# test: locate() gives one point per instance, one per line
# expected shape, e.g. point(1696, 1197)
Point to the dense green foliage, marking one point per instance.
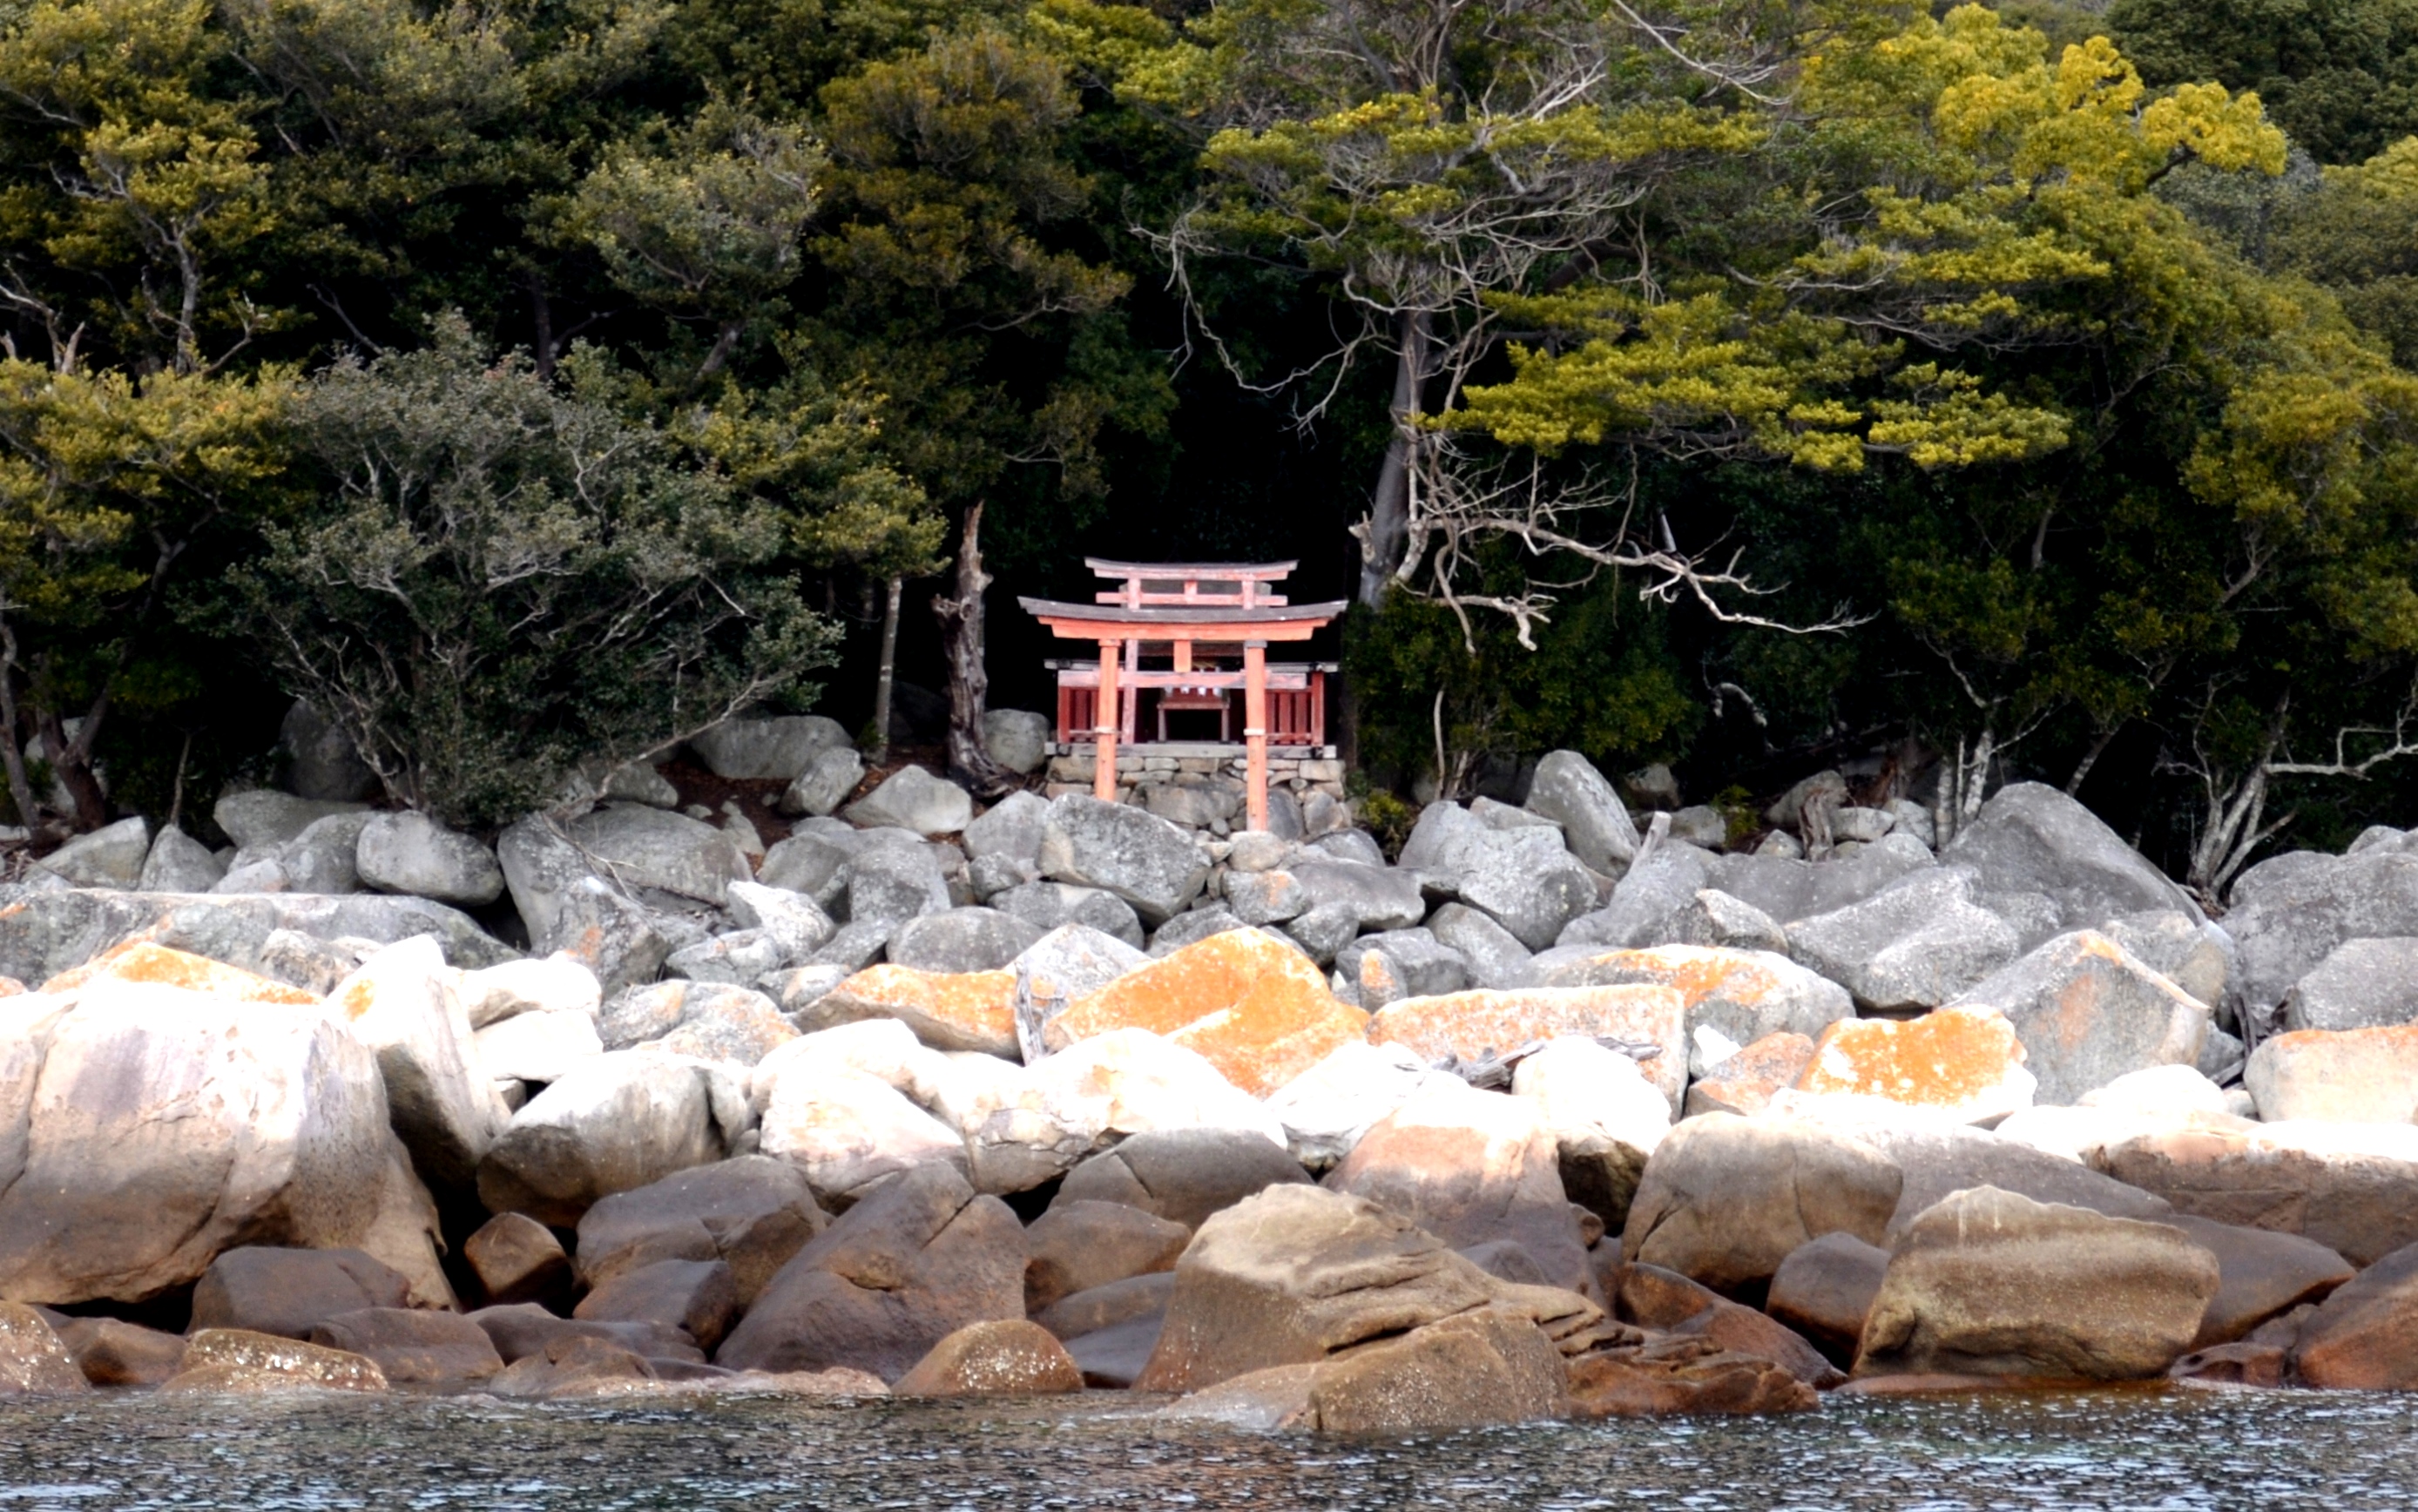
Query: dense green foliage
point(2340, 75)
point(517, 578)
point(1735, 384)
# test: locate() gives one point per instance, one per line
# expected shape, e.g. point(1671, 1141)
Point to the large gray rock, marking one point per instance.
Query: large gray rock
point(2365, 984)
point(613, 936)
point(962, 940)
point(1501, 815)
point(791, 919)
point(414, 1344)
point(44, 932)
point(1400, 963)
point(1060, 967)
point(1182, 1175)
point(1266, 897)
point(850, 1132)
point(710, 1020)
point(2352, 1188)
point(2352, 1075)
point(913, 1262)
point(1079, 1246)
point(814, 865)
point(1325, 1110)
point(1436, 844)
point(1991, 1283)
point(144, 1129)
point(1606, 1118)
point(856, 945)
point(775, 750)
point(538, 1047)
point(2291, 912)
point(2032, 838)
point(1917, 944)
point(1788, 889)
point(1937, 1160)
point(1016, 739)
point(179, 864)
point(2193, 954)
point(403, 1005)
point(1327, 928)
point(891, 882)
point(1494, 958)
point(1648, 902)
point(288, 1292)
point(1195, 802)
point(108, 857)
point(263, 817)
point(737, 956)
point(1296, 1274)
point(1741, 996)
point(540, 865)
point(1528, 883)
point(1349, 845)
point(638, 782)
point(615, 1124)
point(1717, 919)
point(825, 784)
point(408, 1233)
point(2088, 1010)
point(1011, 829)
point(1701, 824)
point(1724, 1199)
point(1192, 927)
point(1471, 1167)
point(1150, 863)
point(413, 853)
point(324, 763)
point(641, 847)
point(1595, 823)
point(1380, 898)
point(525, 1329)
point(1053, 904)
point(914, 799)
point(324, 857)
point(751, 1212)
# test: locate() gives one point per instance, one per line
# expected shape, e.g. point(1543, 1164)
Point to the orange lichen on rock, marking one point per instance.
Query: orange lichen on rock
point(1697, 972)
point(947, 1010)
point(1476, 1025)
point(1256, 1009)
point(139, 960)
point(1747, 1081)
point(1963, 1061)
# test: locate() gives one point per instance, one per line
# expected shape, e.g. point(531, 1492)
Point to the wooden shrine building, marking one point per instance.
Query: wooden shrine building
point(1182, 642)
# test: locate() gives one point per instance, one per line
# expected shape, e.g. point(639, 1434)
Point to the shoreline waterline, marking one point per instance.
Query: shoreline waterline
point(2160, 1448)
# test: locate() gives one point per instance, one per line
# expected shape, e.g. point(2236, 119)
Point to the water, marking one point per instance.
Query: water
point(2183, 1450)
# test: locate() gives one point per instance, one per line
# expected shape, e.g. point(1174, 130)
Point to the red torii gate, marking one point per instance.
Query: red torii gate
point(1196, 612)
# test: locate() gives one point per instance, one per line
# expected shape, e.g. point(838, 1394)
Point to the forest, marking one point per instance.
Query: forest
point(1743, 385)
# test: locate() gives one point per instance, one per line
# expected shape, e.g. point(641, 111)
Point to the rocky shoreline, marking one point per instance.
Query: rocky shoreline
point(1558, 1114)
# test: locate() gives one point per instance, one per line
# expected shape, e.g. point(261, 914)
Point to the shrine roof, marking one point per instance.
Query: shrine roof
point(1110, 569)
point(1183, 614)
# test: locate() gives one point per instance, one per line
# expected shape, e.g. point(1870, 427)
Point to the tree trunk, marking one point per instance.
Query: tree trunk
point(2089, 760)
point(71, 760)
point(962, 628)
point(888, 673)
point(1385, 534)
point(12, 748)
point(1963, 787)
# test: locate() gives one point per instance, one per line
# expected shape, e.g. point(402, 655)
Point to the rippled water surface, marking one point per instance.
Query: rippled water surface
point(2261, 1453)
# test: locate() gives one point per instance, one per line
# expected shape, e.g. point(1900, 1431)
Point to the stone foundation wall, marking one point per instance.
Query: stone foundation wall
point(1207, 792)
